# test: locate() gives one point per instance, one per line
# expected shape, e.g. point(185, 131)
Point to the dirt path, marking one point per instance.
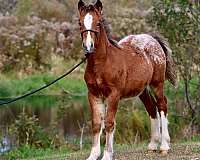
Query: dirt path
point(185, 151)
point(178, 152)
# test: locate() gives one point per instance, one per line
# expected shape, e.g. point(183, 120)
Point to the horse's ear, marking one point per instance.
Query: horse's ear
point(81, 4)
point(98, 5)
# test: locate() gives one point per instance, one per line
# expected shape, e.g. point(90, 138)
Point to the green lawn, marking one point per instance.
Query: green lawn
point(15, 87)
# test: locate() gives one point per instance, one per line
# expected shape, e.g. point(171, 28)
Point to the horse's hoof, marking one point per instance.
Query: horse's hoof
point(164, 153)
point(152, 151)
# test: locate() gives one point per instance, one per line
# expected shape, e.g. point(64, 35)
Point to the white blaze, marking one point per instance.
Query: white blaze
point(88, 21)
point(88, 25)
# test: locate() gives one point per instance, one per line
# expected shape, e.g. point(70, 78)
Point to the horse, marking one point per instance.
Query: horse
point(137, 65)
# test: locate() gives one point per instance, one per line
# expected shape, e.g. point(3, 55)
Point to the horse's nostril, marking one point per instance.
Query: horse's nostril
point(92, 45)
point(83, 45)
point(88, 47)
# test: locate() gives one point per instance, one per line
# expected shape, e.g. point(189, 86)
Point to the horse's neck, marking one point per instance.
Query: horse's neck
point(100, 55)
point(96, 61)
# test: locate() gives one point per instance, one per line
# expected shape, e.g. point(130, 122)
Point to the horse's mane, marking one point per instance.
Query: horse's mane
point(108, 32)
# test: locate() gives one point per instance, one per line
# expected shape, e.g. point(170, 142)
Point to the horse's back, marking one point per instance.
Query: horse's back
point(140, 41)
point(149, 48)
point(145, 44)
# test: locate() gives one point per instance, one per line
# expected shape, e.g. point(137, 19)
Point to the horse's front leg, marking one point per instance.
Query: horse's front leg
point(112, 103)
point(98, 111)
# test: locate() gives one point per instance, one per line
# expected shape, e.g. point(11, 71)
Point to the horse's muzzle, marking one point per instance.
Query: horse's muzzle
point(88, 53)
point(88, 49)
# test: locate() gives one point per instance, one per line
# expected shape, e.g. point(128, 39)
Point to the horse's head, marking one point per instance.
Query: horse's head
point(90, 24)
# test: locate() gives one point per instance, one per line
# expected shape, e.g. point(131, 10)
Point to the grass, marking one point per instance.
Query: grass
point(26, 152)
point(186, 150)
point(15, 87)
point(193, 139)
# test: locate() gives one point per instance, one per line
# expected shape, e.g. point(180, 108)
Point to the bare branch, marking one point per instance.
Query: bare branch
point(187, 96)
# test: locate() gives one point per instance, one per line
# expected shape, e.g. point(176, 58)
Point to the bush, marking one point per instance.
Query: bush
point(27, 131)
point(29, 46)
point(45, 9)
point(132, 121)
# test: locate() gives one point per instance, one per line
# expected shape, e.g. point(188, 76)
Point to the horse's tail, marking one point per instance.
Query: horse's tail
point(170, 68)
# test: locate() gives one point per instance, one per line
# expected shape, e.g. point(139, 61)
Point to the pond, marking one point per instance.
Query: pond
point(68, 115)
point(69, 112)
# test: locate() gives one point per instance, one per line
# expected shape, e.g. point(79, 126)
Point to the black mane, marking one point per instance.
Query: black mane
point(109, 32)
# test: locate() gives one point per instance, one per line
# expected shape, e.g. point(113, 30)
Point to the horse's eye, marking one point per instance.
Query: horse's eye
point(98, 24)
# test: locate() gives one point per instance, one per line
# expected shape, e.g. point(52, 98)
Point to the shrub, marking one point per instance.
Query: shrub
point(27, 131)
point(132, 122)
point(45, 9)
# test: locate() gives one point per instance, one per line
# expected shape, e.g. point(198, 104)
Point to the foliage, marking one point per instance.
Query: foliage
point(132, 121)
point(28, 132)
point(35, 45)
point(25, 47)
point(44, 9)
point(179, 21)
point(127, 17)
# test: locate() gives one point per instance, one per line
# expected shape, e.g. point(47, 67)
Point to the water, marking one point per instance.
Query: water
point(70, 113)
point(4, 145)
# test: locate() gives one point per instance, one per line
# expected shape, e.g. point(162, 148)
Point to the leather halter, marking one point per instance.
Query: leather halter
point(89, 30)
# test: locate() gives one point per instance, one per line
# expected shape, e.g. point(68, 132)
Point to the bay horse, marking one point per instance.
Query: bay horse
point(132, 67)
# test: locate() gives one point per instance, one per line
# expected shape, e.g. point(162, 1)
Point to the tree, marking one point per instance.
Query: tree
point(179, 21)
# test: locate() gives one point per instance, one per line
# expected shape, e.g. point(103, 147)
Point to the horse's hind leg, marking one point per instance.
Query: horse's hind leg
point(150, 105)
point(162, 108)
